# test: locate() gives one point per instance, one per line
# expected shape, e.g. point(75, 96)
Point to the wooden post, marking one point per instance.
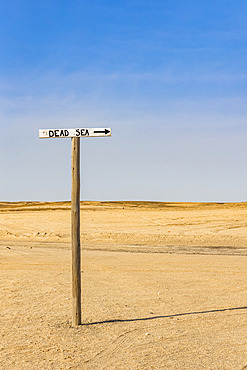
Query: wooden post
point(75, 232)
point(75, 134)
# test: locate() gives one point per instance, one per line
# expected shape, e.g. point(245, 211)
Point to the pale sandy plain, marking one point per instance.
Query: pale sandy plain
point(163, 286)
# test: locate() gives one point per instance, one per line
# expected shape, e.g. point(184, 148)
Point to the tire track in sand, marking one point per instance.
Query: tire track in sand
point(123, 341)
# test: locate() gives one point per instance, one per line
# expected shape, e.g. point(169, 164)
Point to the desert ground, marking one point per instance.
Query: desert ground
point(163, 286)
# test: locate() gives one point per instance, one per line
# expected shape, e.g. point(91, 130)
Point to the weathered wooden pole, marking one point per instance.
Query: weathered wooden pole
point(75, 232)
point(75, 134)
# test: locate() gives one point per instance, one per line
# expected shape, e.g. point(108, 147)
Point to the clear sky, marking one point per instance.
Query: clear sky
point(169, 77)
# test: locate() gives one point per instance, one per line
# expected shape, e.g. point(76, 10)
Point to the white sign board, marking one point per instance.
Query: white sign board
point(73, 132)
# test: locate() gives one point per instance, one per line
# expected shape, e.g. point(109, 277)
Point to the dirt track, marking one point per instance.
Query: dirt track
point(164, 286)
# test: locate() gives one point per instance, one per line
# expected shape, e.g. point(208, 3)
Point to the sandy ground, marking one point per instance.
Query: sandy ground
point(164, 286)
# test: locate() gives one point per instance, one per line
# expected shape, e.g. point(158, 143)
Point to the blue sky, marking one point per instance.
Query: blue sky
point(169, 77)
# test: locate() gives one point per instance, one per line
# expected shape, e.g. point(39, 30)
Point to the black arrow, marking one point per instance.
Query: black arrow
point(102, 132)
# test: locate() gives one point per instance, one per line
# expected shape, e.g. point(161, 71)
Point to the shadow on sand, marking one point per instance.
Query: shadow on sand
point(165, 316)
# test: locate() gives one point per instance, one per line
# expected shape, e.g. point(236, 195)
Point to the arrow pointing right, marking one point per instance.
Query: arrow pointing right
point(105, 131)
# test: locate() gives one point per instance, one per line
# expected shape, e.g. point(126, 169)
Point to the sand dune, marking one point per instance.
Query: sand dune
point(129, 225)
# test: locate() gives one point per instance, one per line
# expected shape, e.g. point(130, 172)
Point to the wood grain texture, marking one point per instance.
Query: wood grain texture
point(75, 233)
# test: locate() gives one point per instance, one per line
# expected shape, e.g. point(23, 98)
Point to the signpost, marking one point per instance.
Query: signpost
point(75, 134)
